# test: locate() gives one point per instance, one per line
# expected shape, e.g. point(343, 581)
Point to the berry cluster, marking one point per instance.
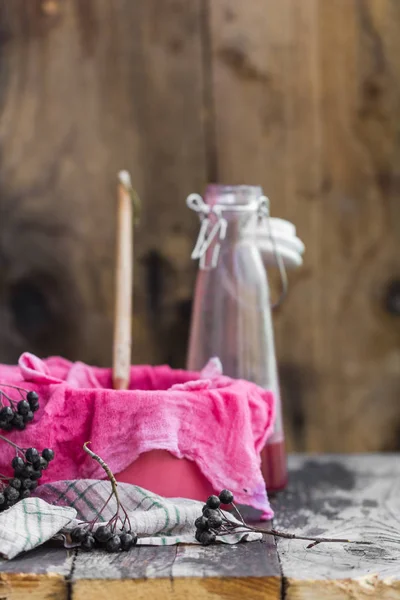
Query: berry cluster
point(213, 522)
point(104, 536)
point(16, 415)
point(28, 466)
point(114, 536)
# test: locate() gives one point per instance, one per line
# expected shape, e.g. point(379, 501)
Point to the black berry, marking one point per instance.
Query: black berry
point(23, 407)
point(18, 422)
point(113, 544)
point(226, 497)
point(43, 464)
point(128, 540)
point(33, 400)
point(27, 471)
point(103, 533)
point(6, 414)
point(17, 463)
point(202, 523)
point(11, 494)
point(32, 455)
point(207, 538)
point(48, 454)
point(26, 484)
point(88, 542)
point(209, 512)
point(215, 522)
point(78, 534)
point(213, 502)
point(29, 417)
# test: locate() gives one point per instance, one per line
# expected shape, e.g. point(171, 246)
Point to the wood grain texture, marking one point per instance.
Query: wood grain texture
point(86, 89)
point(356, 497)
point(307, 104)
point(246, 570)
point(38, 575)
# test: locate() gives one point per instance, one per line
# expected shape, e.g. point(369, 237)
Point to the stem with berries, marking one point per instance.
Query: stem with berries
point(214, 523)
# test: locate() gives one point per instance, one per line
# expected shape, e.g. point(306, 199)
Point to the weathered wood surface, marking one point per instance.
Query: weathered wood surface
point(307, 103)
point(339, 496)
point(88, 88)
point(356, 497)
point(38, 575)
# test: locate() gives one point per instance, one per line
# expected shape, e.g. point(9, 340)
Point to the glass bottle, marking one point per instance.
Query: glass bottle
point(231, 316)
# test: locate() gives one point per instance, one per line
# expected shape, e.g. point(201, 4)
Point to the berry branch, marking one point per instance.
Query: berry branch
point(106, 535)
point(28, 465)
point(213, 522)
point(17, 414)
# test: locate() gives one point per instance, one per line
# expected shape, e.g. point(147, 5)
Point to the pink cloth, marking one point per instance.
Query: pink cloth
point(220, 423)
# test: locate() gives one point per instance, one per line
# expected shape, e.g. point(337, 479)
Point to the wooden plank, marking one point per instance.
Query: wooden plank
point(341, 496)
point(87, 89)
point(307, 104)
point(242, 571)
point(40, 575)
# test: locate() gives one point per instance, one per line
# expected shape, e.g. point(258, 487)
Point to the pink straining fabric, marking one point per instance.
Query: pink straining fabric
point(220, 423)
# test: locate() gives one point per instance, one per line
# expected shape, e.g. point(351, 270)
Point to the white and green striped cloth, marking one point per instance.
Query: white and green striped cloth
point(59, 507)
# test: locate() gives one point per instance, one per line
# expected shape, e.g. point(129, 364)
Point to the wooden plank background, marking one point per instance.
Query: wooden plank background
point(300, 97)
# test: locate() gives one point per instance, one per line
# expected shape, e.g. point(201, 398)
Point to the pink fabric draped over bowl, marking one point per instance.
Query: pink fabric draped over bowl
point(219, 423)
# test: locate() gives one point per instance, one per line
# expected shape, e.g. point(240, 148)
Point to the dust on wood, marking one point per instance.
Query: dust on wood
point(355, 497)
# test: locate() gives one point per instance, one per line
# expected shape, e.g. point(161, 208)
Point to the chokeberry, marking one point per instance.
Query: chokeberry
point(43, 464)
point(34, 485)
point(88, 542)
point(209, 512)
point(24, 494)
point(23, 407)
point(5, 426)
point(15, 483)
point(6, 414)
point(28, 417)
point(2, 499)
point(127, 540)
point(32, 455)
point(215, 522)
point(226, 497)
point(103, 533)
point(202, 523)
point(36, 474)
point(17, 463)
point(78, 534)
point(113, 544)
point(213, 502)
point(26, 484)
point(197, 535)
point(33, 400)
point(207, 537)
point(11, 494)
point(27, 471)
point(18, 422)
point(48, 454)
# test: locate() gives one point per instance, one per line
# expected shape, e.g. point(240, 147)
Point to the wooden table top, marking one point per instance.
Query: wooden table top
point(343, 496)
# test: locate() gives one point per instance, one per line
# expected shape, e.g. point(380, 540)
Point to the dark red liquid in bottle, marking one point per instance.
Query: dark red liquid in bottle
point(274, 465)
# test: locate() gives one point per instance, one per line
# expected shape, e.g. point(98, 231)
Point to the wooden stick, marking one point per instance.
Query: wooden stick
point(123, 284)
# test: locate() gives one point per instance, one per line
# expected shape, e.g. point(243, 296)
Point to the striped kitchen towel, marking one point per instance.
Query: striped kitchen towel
point(29, 523)
point(59, 507)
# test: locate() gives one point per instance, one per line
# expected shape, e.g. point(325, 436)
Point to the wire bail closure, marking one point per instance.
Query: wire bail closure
point(214, 227)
